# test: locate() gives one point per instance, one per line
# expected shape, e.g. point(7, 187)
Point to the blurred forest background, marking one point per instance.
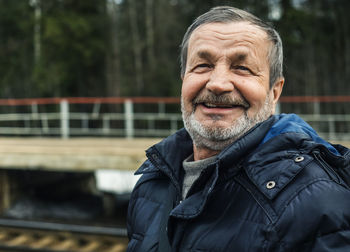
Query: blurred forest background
point(58, 48)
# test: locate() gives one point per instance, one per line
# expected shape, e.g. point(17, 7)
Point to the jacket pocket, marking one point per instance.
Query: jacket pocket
point(135, 240)
point(140, 243)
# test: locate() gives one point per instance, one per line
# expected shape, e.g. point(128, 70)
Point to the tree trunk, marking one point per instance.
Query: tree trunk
point(150, 33)
point(112, 58)
point(137, 47)
point(37, 29)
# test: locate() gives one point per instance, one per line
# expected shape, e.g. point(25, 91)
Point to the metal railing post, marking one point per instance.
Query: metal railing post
point(129, 118)
point(44, 123)
point(278, 108)
point(161, 107)
point(85, 122)
point(173, 125)
point(105, 124)
point(64, 107)
point(317, 110)
point(96, 110)
point(331, 132)
point(35, 112)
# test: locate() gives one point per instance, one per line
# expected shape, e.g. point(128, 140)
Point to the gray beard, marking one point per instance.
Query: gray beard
point(219, 138)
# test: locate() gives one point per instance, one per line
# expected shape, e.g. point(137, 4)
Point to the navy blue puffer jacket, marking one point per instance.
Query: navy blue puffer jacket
point(275, 189)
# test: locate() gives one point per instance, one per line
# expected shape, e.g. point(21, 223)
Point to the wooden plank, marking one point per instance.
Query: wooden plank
point(77, 154)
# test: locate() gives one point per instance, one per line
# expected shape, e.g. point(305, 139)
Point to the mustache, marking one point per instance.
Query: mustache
point(224, 99)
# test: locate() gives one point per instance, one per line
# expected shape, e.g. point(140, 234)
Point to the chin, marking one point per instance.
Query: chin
point(220, 125)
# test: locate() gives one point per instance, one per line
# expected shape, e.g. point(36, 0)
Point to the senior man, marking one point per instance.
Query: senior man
point(238, 177)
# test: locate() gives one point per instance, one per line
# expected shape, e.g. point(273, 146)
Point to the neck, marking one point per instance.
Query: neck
point(203, 153)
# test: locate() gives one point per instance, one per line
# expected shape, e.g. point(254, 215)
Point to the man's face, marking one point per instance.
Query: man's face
point(225, 88)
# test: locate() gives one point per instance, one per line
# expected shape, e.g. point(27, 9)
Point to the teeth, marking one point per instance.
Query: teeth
point(211, 105)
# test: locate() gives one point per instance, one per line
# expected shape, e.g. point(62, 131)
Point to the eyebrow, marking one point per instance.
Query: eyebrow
point(240, 57)
point(205, 55)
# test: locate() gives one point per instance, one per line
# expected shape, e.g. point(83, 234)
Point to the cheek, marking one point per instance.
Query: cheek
point(191, 88)
point(186, 92)
point(254, 93)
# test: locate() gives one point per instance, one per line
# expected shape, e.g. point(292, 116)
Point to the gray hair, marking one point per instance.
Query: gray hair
point(227, 14)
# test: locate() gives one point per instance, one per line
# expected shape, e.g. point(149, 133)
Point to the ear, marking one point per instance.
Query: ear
point(276, 92)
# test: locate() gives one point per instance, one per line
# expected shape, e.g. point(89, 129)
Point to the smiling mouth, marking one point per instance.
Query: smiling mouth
point(214, 105)
point(221, 105)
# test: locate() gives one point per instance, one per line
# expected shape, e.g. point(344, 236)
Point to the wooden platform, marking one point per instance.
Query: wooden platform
point(77, 154)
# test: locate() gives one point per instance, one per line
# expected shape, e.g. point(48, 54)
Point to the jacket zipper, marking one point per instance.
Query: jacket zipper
point(153, 158)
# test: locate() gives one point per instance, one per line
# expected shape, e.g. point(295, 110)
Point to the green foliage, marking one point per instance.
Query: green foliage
point(16, 24)
point(316, 44)
point(73, 48)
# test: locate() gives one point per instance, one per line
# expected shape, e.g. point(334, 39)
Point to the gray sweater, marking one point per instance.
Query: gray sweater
point(193, 170)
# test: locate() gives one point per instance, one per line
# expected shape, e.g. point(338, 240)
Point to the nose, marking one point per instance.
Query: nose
point(219, 81)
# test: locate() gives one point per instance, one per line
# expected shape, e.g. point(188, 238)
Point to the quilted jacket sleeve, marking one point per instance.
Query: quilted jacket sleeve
point(336, 242)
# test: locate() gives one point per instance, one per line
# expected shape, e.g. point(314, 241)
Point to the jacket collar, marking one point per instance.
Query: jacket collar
point(274, 164)
point(288, 123)
point(167, 156)
point(246, 144)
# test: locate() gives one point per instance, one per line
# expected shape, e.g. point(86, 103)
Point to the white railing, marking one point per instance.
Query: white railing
point(59, 122)
point(127, 117)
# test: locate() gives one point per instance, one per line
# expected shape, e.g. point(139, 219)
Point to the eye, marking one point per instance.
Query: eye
point(202, 67)
point(241, 68)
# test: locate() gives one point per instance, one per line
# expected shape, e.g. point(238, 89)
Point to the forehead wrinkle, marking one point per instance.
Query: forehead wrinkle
point(233, 38)
point(215, 32)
